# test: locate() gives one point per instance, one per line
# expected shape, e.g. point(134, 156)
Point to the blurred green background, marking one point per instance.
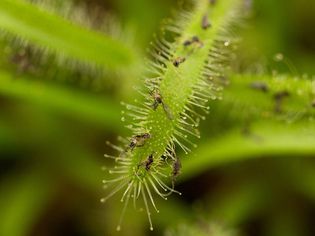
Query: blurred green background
point(56, 118)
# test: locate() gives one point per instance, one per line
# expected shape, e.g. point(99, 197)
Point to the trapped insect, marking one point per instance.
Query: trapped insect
point(22, 59)
point(178, 61)
point(193, 40)
point(258, 85)
point(148, 162)
point(176, 168)
point(158, 100)
point(138, 140)
point(187, 42)
point(212, 2)
point(278, 97)
point(282, 94)
point(205, 23)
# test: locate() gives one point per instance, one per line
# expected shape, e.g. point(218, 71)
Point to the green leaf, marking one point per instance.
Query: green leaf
point(21, 202)
point(52, 32)
point(295, 105)
point(266, 139)
point(83, 106)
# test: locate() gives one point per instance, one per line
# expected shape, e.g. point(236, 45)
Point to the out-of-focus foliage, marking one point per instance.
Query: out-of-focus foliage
point(203, 229)
point(253, 170)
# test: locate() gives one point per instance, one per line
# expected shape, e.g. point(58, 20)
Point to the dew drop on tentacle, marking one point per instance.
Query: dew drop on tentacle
point(227, 43)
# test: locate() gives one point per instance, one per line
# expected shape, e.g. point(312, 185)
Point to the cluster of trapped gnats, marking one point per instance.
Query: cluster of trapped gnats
point(140, 178)
point(278, 96)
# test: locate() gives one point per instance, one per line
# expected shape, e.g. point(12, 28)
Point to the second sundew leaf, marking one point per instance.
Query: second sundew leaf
point(45, 30)
point(182, 75)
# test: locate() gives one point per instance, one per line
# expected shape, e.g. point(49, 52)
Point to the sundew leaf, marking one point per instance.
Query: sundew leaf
point(285, 96)
point(53, 33)
point(182, 78)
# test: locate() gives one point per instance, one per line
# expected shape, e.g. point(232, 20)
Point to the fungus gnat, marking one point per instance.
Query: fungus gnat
point(159, 100)
point(247, 132)
point(179, 60)
point(187, 42)
point(22, 59)
point(193, 40)
point(205, 23)
point(261, 86)
point(167, 111)
point(278, 97)
point(148, 162)
point(282, 94)
point(138, 140)
point(176, 169)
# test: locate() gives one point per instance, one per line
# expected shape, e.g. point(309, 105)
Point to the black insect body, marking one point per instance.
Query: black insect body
point(194, 40)
point(177, 166)
point(187, 42)
point(139, 140)
point(167, 111)
point(205, 23)
point(261, 86)
point(157, 101)
point(22, 60)
point(178, 61)
point(278, 97)
point(148, 163)
point(247, 132)
point(281, 94)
